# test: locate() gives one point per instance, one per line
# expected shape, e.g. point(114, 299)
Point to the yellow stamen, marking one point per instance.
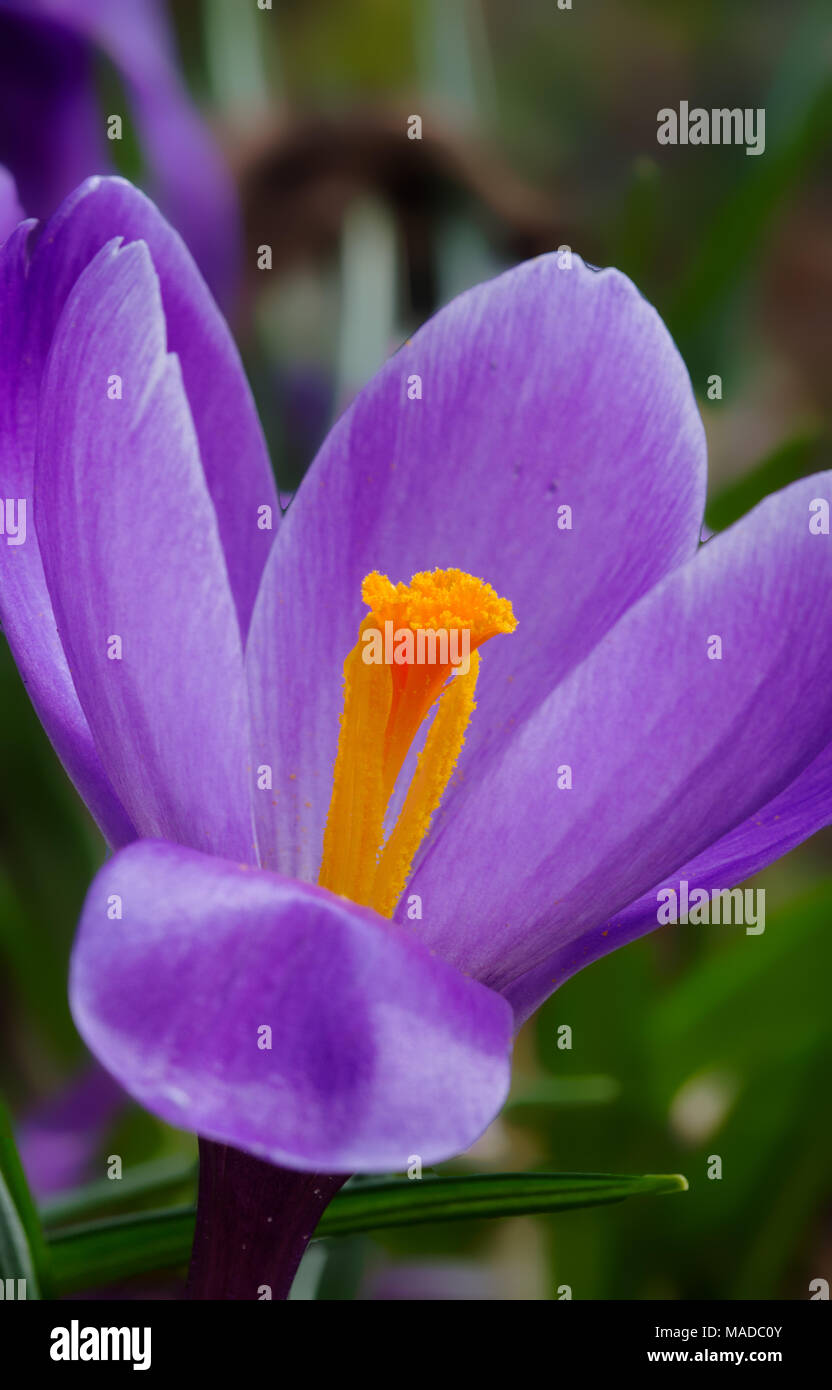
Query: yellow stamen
point(436, 763)
point(438, 621)
point(355, 824)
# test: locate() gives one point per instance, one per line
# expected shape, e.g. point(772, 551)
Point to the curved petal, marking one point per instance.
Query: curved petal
point(231, 443)
point(783, 823)
point(378, 1049)
point(134, 565)
point(669, 750)
point(11, 213)
point(25, 606)
point(543, 389)
point(38, 268)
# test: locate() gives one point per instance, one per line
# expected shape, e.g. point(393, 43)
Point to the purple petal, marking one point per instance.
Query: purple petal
point(231, 441)
point(10, 210)
point(34, 285)
point(785, 822)
point(669, 751)
point(131, 551)
point(59, 1140)
point(25, 605)
point(544, 388)
point(379, 1050)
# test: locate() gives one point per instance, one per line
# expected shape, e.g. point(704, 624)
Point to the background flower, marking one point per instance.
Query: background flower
point(54, 124)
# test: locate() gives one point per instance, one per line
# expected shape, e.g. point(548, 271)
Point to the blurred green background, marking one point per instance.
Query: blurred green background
point(539, 129)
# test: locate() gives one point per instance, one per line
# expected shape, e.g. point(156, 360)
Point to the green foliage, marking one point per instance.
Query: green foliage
point(97, 1253)
point(23, 1252)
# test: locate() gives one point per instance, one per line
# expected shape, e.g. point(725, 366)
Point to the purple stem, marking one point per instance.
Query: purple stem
point(253, 1223)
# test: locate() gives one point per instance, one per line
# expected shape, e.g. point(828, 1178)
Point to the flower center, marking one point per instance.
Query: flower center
point(414, 638)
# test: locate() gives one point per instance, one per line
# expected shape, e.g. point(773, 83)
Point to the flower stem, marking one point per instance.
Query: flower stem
point(253, 1223)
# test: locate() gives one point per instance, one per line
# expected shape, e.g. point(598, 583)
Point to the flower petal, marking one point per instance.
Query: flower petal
point(542, 389)
point(131, 551)
point(669, 750)
point(231, 443)
point(25, 606)
point(785, 822)
point(60, 1139)
point(38, 268)
point(378, 1049)
point(10, 210)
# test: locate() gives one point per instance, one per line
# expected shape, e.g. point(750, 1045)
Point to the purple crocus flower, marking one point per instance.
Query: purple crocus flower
point(53, 130)
point(258, 968)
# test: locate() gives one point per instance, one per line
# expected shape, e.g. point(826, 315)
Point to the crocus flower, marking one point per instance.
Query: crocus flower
point(318, 951)
point(54, 131)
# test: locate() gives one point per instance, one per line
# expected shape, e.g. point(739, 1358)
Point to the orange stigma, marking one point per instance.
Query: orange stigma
point(417, 647)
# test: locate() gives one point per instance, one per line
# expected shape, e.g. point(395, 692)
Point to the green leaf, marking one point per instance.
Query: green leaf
point(157, 1178)
point(23, 1252)
point(374, 1205)
point(15, 1256)
point(98, 1253)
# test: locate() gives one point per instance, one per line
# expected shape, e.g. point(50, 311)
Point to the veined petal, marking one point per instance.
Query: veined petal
point(231, 443)
point(25, 606)
point(545, 389)
point(796, 813)
point(38, 269)
point(280, 1018)
point(669, 750)
point(134, 564)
